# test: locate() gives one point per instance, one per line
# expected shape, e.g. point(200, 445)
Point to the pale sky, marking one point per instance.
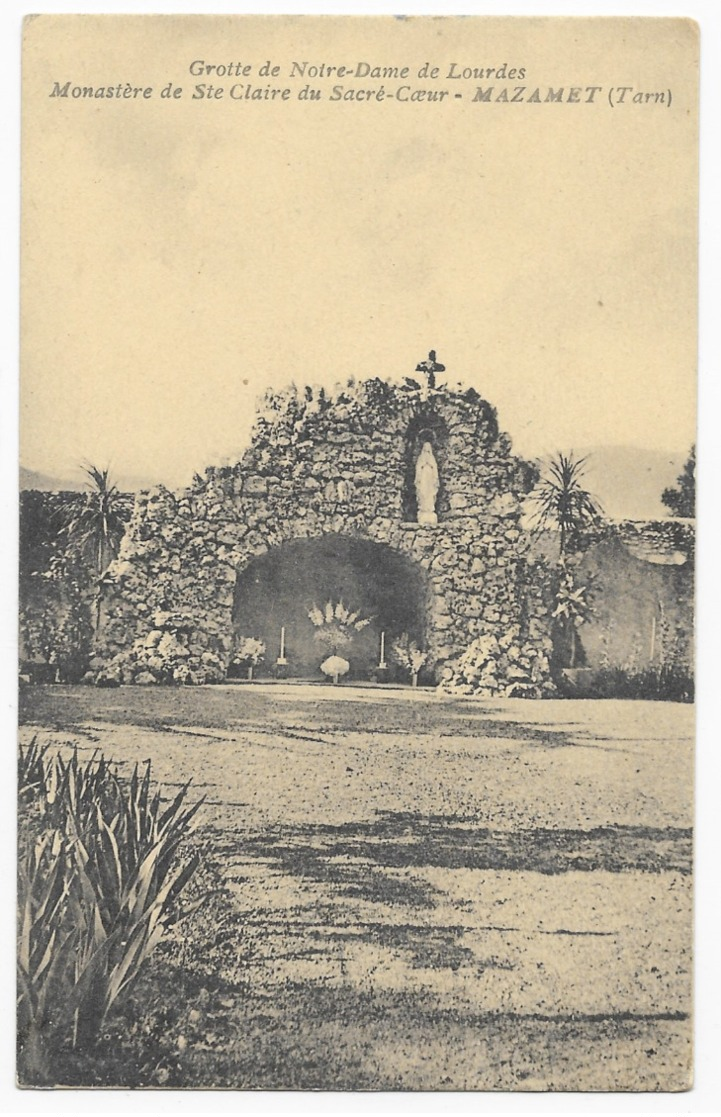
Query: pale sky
point(180, 257)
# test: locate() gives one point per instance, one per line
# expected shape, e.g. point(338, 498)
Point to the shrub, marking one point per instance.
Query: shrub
point(73, 643)
point(163, 656)
point(501, 667)
point(573, 608)
point(58, 632)
point(99, 881)
point(663, 683)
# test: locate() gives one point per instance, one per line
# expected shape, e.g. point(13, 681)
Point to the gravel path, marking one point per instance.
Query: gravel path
point(432, 893)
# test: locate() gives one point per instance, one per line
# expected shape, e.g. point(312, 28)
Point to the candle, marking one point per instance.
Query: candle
point(282, 643)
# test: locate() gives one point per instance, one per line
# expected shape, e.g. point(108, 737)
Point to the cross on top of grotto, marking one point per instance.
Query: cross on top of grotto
point(430, 367)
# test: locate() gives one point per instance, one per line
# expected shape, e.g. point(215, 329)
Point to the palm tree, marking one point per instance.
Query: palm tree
point(560, 501)
point(95, 529)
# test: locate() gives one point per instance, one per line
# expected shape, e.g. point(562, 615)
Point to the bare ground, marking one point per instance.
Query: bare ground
point(419, 893)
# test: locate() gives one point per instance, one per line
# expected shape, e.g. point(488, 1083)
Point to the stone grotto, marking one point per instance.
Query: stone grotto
point(399, 503)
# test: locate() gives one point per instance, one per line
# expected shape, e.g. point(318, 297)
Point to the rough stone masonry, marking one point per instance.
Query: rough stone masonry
point(341, 464)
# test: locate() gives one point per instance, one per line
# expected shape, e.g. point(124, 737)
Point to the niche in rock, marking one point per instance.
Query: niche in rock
point(424, 468)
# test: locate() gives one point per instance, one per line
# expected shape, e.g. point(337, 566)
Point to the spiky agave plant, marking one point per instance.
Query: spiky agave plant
point(99, 881)
point(32, 766)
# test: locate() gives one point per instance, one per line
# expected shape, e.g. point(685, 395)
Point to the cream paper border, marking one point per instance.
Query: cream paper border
point(710, 466)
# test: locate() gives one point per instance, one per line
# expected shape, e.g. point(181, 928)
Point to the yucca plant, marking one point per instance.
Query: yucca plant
point(98, 525)
point(98, 886)
point(128, 853)
point(562, 503)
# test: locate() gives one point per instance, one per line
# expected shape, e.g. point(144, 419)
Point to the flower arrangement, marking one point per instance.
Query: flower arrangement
point(249, 652)
point(406, 653)
point(335, 666)
point(336, 625)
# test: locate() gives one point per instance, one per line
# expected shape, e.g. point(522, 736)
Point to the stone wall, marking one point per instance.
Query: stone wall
point(639, 575)
point(57, 580)
point(341, 468)
point(669, 542)
point(642, 581)
point(321, 465)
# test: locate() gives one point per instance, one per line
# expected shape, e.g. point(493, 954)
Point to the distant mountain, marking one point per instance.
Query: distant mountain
point(629, 481)
point(31, 479)
point(626, 480)
point(126, 483)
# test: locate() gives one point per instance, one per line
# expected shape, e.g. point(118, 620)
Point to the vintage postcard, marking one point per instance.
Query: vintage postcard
point(358, 414)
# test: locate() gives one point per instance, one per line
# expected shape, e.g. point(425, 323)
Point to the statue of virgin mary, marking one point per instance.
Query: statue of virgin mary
point(427, 485)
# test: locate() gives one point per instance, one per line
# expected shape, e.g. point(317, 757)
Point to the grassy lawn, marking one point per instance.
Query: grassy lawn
point(412, 892)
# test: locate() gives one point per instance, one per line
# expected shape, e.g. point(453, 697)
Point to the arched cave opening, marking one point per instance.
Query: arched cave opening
point(279, 590)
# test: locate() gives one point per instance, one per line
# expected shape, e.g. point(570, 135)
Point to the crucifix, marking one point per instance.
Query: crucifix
point(430, 368)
